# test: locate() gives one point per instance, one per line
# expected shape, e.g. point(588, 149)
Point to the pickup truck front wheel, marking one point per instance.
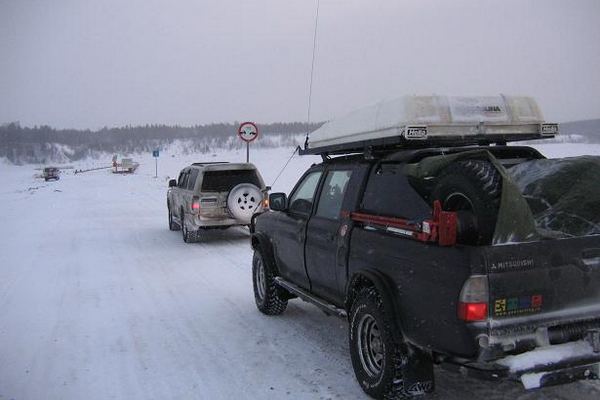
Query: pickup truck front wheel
point(377, 359)
point(267, 294)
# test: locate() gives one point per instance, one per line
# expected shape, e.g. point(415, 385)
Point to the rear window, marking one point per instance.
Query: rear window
point(563, 194)
point(389, 193)
point(224, 181)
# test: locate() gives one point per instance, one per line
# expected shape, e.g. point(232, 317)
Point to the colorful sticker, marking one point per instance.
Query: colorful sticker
point(518, 305)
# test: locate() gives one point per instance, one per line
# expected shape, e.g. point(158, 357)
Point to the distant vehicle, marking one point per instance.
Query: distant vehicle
point(126, 166)
point(51, 173)
point(214, 195)
point(441, 248)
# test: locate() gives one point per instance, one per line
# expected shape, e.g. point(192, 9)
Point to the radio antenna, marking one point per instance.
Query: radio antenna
point(312, 71)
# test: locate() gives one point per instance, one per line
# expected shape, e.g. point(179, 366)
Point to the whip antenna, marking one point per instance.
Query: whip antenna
point(312, 71)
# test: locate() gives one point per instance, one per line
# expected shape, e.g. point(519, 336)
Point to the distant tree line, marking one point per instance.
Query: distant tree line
point(42, 144)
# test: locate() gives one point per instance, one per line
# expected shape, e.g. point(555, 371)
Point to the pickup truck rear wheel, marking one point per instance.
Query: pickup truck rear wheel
point(473, 187)
point(269, 296)
point(376, 357)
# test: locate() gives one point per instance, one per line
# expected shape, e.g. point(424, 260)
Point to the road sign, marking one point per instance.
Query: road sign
point(248, 131)
point(155, 155)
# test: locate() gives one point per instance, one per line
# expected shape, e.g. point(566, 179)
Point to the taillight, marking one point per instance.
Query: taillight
point(195, 204)
point(473, 300)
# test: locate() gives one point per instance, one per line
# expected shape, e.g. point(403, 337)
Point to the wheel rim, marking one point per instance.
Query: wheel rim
point(370, 346)
point(260, 279)
point(247, 202)
point(458, 202)
point(184, 231)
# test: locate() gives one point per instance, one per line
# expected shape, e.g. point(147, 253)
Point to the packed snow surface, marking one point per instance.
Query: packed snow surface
point(99, 300)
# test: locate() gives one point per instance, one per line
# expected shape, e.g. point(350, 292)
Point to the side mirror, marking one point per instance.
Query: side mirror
point(172, 183)
point(278, 201)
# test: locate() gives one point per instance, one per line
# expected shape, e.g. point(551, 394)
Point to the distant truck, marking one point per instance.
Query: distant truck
point(127, 166)
point(441, 244)
point(51, 173)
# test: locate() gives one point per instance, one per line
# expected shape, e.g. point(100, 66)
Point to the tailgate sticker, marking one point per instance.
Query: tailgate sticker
point(518, 305)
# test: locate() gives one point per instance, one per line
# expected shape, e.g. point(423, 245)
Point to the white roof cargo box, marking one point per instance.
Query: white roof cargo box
point(433, 120)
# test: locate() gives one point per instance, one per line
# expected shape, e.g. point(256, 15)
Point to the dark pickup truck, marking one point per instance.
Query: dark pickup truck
point(437, 256)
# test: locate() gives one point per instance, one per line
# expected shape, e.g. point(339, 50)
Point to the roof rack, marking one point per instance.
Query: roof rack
point(431, 121)
point(200, 164)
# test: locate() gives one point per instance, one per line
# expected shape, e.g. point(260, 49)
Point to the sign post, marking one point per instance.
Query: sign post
point(155, 154)
point(248, 131)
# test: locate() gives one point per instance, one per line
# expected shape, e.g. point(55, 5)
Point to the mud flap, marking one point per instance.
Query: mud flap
point(417, 372)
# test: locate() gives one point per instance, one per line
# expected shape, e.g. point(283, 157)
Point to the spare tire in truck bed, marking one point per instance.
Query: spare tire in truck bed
point(472, 187)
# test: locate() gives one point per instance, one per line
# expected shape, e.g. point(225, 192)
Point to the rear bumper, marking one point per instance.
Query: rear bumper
point(543, 366)
point(198, 221)
point(560, 374)
point(551, 365)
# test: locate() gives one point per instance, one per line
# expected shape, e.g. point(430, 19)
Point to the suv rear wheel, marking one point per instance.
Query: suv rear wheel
point(188, 236)
point(173, 226)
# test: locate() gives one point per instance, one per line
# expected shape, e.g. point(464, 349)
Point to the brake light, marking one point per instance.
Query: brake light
point(472, 311)
point(196, 204)
point(473, 299)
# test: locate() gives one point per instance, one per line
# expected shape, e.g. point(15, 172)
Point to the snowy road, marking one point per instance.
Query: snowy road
point(99, 300)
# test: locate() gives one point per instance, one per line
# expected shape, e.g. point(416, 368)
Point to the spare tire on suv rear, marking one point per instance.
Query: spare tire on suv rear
point(473, 188)
point(244, 200)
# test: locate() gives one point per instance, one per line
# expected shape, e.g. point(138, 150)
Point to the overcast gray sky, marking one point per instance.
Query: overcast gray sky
point(94, 63)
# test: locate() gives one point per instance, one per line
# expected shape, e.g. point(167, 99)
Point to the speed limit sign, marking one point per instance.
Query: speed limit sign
point(248, 131)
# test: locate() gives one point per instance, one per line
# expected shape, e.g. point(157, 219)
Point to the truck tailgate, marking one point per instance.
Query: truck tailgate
point(545, 292)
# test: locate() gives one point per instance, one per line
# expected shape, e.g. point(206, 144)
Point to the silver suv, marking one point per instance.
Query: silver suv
point(214, 195)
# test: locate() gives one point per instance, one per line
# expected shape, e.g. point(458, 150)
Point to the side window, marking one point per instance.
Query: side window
point(302, 199)
point(332, 195)
point(183, 179)
point(192, 179)
point(180, 179)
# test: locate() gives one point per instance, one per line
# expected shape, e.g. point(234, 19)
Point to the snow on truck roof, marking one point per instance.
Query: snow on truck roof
point(430, 120)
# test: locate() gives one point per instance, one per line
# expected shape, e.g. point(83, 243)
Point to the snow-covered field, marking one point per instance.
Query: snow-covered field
point(99, 300)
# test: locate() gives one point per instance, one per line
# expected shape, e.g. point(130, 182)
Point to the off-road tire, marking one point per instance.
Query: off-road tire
point(188, 236)
point(474, 186)
point(173, 226)
point(270, 298)
point(377, 359)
